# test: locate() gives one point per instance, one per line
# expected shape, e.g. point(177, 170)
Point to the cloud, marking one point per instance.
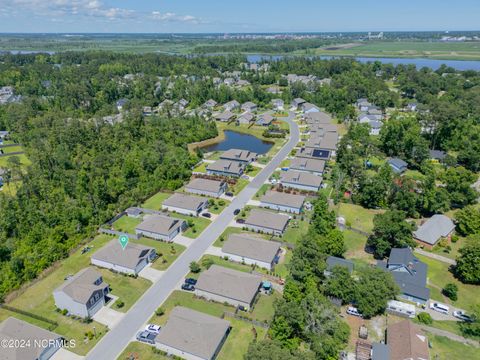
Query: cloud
point(172, 17)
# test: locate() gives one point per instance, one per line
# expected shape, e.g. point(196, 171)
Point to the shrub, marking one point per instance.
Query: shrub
point(119, 304)
point(425, 318)
point(450, 291)
point(194, 267)
point(160, 311)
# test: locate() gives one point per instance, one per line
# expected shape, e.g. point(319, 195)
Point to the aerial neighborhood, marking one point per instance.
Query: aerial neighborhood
point(296, 208)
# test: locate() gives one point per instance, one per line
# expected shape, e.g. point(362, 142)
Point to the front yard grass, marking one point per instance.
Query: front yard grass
point(168, 252)
point(239, 186)
point(218, 206)
point(438, 276)
point(196, 225)
point(254, 171)
point(138, 350)
point(263, 189)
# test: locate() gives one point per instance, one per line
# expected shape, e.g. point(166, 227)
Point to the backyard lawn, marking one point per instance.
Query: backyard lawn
point(297, 228)
point(126, 224)
point(155, 202)
point(357, 216)
point(443, 348)
point(202, 168)
point(438, 276)
point(24, 161)
point(355, 244)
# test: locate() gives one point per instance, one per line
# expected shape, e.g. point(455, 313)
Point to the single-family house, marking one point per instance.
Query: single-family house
point(319, 154)
point(329, 142)
point(134, 212)
point(226, 168)
point(210, 104)
point(192, 335)
point(121, 104)
point(312, 166)
point(83, 294)
point(301, 180)
point(309, 108)
point(282, 201)
point(278, 104)
point(234, 287)
point(412, 107)
point(297, 103)
point(251, 250)
point(246, 118)
point(274, 90)
point(129, 260)
point(363, 104)
point(433, 230)
point(264, 119)
point(213, 188)
point(243, 156)
point(185, 204)
point(333, 261)
point(438, 155)
point(225, 116)
point(231, 105)
point(409, 273)
point(398, 165)
point(317, 118)
point(33, 342)
point(160, 227)
point(407, 341)
point(267, 222)
point(375, 127)
point(249, 106)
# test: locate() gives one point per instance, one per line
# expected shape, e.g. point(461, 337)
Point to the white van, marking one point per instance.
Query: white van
point(353, 311)
point(444, 309)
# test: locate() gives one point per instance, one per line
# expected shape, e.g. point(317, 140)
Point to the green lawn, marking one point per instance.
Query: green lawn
point(438, 276)
point(264, 310)
point(167, 252)
point(199, 224)
point(445, 349)
point(140, 351)
point(254, 171)
point(202, 168)
point(297, 228)
point(218, 206)
point(263, 189)
point(357, 216)
point(355, 244)
point(282, 268)
point(451, 252)
point(156, 201)
point(24, 161)
point(11, 149)
point(126, 224)
point(239, 186)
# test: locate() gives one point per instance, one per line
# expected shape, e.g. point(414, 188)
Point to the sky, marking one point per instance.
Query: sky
point(224, 16)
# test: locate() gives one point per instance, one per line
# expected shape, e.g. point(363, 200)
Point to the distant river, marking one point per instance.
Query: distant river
point(235, 140)
point(433, 64)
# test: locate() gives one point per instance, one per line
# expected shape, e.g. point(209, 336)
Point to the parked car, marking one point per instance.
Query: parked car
point(207, 215)
point(444, 309)
point(190, 281)
point(153, 328)
point(241, 221)
point(462, 316)
point(188, 287)
point(146, 337)
point(230, 194)
point(236, 212)
point(353, 311)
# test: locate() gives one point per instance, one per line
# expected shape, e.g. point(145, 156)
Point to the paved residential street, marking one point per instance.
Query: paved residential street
point(118, 338)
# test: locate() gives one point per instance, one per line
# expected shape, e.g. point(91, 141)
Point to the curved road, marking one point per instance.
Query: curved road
point(115, 341)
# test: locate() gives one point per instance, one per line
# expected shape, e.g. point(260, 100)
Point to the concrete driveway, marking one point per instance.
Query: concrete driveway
point(108, 317)
point(183, 240)
point(64, 354)
point(213, 250)
point(151, 274)
point(253, 203)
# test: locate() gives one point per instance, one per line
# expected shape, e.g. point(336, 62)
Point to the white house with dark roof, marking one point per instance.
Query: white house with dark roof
point(206, 187)
point(226, 168)
point(251, 250)
point(222, 285)
point(267, 222)
point(433, 230)
point(185, 204)
point(301, 180)
point(83, 294)
point(282, 201)
point(40, 344)
point(160, 227)
point(129, 260)
point(192, 335)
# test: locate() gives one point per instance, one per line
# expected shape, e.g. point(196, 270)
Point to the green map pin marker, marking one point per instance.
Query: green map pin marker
point(123, 239)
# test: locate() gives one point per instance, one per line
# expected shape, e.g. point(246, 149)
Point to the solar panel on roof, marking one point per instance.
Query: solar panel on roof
point(324, 154)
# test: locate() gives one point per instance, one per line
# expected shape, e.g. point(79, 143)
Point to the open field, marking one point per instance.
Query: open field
point(445, 349)
point(407, 49)
point(356, 216)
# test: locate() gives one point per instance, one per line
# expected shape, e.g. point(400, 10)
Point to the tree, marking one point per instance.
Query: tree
point(458, 181)
point(375, 287)
point(468, 264)
point(390, 230)
point(332, 244)
point(323, 219)
point(269, 350)
point(341, 285)
point(472, 328)
point(450, 290)
point(468, 220)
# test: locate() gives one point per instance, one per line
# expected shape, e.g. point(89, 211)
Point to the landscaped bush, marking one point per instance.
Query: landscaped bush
point(160, 311)
point(450, 291)
point(119, 304)
point(425, 318)
point(195, 268)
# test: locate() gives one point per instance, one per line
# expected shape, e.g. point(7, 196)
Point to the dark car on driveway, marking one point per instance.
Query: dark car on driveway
point(146, 337)
point(230, 194)
point(207, 215)
point(236, 212)
point(241, 221)
point(190, 281)
point(188, 287)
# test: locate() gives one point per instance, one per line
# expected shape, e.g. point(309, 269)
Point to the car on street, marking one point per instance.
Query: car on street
point(146, 337)
point(188, 287)
point(444, 309)
point(207, 215)
point(153, 328)
point(459, 314)
point(353, 311)
point(191, 281)
point(236, 212)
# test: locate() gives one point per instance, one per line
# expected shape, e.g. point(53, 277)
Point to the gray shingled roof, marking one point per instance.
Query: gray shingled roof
point(14, 329)
point(300, 178)
point(249, 246)
point(193, 332)
point(238, 155)
point(233, 284)
point(80, 287)
point(434, 229)
point(129, 257)
point(205, 185)
point(305, 164)
point(160, 224)
point(267, 219)
point(229, 166)
point(333, 261)
point(318, 118)
point(283, 199)
point(183, 201)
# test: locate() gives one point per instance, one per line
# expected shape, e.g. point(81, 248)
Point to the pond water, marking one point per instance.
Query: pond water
point(235, 140)
point(433, 64)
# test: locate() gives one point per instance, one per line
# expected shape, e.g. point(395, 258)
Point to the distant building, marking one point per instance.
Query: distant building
point(398, 165)
point(160, 227)
point(281, 201)
point(243, 156)
point(121, 104)
point(185, 204)
point(301, 180)
point(264, 119)
point(267, 222)
point(433, 230)
point(225, 116)
point(226, 168)
point(210, 104)
point(246, 118)
point(278, 104)
point(308, 108)
point(313, 166)
point(297, 103)
point(249, 106)
point(317, 118)
point(438, 155)
point(231, 105)
point(213, 188)
point(333, 261)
